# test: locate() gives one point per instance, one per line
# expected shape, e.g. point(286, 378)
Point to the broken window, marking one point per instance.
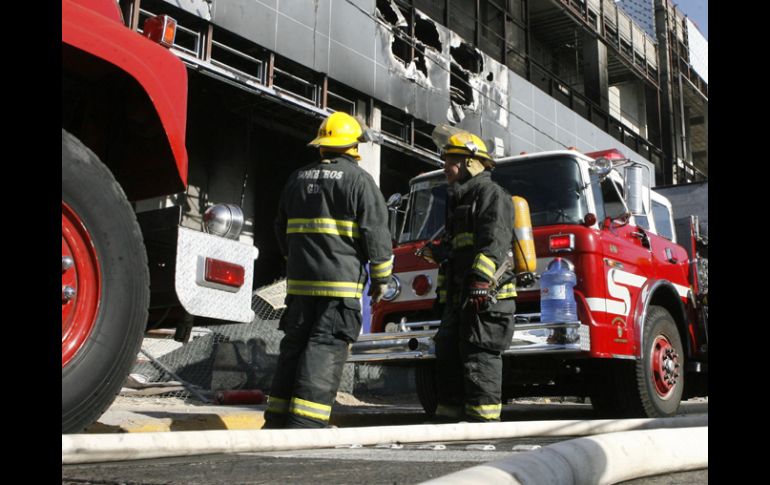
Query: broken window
point(467, 57)
point(426, 32)
point(419, 62)
point(460, 90)
point(412, 33)
point(386, 12)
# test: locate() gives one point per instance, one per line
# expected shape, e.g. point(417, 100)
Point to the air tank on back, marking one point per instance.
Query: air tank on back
point(524, 257)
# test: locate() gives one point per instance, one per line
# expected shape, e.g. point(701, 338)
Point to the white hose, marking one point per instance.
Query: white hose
point(89, 448)
point(594, 460)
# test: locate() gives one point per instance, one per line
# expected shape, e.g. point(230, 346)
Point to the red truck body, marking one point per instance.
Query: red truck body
point(623, 270)
point(124, 117)
point(95, 28)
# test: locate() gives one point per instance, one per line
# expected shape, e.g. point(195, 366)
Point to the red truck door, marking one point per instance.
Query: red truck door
point(627, 258)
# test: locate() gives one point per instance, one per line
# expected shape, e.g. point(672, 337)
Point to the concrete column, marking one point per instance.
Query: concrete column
point(595, 71)
point(370, 152)
point(668, 126)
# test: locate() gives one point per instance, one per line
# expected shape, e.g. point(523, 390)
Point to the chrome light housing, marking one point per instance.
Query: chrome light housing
point(601, 167)
point(224, 220)
point(394, 289)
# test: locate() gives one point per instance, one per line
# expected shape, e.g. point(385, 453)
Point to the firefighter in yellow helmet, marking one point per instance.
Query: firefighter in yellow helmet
point(476, 282)
point(331, 222)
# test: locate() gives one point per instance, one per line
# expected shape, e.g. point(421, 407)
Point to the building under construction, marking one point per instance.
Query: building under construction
point(528, 75)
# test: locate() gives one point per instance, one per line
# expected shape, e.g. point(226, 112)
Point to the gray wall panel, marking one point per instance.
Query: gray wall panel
point(544, 105)
point(585, 131)
point(545, 125)
point(321, 53)
point(521, 94)
point(313, 15)
point(295, 41)
point(522, 132)
point(252, 19)
point(381, 85)
point(545, 143)
point(566, 120)
point(201, 8)
point(352, 28)
point(351, 67)
point(568, 138)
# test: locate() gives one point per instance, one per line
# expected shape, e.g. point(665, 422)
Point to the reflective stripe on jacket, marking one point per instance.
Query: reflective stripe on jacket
point(331, 221)
point(479, 231)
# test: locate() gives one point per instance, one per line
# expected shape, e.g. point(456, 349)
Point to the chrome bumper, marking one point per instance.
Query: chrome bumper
point(414, 341)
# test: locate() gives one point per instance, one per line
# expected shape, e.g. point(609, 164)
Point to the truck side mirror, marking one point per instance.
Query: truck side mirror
point(394, 201)
point(393, 204)
point(634, 189)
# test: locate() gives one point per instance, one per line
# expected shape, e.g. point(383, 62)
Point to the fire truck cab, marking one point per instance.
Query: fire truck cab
point(640, 342)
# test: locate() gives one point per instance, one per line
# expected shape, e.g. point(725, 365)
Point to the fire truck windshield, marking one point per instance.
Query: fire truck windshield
point(425, 215)
point(552, 187)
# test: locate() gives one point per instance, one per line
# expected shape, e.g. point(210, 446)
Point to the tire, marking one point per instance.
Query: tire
point(660, 371)
point(104, 319)
point(427, 392)
point(626, 389)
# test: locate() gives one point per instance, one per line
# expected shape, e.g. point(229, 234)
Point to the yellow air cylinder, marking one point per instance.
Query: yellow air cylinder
point(524, 257)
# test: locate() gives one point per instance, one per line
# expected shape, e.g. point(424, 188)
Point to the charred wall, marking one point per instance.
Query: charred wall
point(410, 63)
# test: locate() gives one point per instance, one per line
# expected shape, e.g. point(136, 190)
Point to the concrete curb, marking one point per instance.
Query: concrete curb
point(155, 422)
point(601, 459)
point(89, 448)
point(163, 418)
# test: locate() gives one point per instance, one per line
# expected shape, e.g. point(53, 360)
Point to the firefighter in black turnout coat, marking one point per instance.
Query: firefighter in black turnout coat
point(331, 221)
point(476, 282)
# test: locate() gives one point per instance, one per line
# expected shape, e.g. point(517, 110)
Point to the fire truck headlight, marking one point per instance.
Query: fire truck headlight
point(224, 220)
point(394, 289)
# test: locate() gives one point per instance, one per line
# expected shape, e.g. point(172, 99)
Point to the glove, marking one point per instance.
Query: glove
point(376, 291)
point(478, 295)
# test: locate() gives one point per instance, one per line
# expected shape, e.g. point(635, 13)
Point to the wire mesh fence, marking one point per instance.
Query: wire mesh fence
point(235, 356)
point(229, 355)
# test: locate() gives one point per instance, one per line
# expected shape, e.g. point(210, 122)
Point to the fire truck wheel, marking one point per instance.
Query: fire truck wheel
point(105, 286)
point(660, 371)
point(425, 380)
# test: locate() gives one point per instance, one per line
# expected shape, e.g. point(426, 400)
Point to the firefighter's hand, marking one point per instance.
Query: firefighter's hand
point(478, 295)
point(376, 291)
point(525, 280)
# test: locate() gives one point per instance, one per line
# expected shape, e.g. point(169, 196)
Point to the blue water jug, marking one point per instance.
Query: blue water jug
point(557, 293)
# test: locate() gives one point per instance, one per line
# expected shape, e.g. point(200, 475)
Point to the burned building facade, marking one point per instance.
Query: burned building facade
point(526, 75)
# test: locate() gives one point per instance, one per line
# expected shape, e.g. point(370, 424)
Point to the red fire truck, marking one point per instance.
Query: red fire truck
point(640, 344)
point(124, 113)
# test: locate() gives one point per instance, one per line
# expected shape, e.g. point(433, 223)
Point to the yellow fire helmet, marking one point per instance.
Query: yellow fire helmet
point(339, 130)
point(451, 140)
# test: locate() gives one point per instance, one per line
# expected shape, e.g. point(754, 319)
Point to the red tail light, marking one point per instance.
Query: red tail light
point(561, 242)
point(224, 273)
point(421, 285)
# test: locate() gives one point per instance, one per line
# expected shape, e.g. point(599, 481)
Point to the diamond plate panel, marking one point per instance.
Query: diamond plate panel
point(585, 337)
point(194, 246)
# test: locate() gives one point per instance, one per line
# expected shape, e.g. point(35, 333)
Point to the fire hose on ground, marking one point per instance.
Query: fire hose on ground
point(91, 448)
